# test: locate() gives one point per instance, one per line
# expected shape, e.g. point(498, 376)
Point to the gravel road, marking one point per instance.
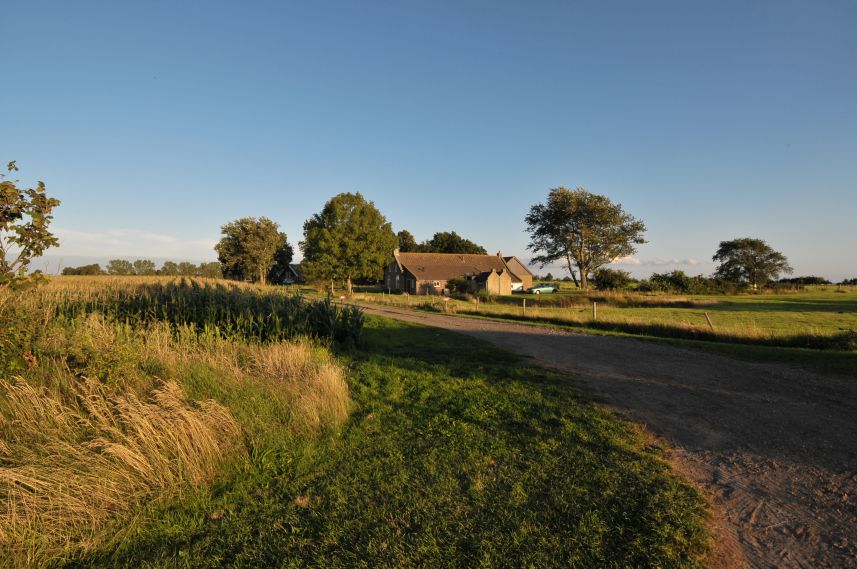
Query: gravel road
point(772, 446)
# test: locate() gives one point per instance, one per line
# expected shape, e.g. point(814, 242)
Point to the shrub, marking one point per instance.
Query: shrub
point(611, 279)
point(458, 285)
point(808, 280)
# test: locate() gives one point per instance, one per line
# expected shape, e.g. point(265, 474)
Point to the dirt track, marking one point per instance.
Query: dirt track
point(774, 447)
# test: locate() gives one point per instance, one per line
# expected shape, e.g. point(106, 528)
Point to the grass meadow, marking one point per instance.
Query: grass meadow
point(816, 327)
point(136, 434)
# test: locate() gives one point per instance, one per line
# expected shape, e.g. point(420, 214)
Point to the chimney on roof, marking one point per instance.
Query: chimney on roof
point(499, 253)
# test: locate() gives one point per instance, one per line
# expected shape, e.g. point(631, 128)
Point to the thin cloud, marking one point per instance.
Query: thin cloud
point(130, 243)
point(629, 260)
point(658, 262)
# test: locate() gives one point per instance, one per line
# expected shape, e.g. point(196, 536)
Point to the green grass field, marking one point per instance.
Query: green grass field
point(440, 451)
point(815, 327)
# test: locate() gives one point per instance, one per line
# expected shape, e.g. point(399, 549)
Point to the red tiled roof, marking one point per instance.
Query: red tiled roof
point(445, 266)
point(513, 261)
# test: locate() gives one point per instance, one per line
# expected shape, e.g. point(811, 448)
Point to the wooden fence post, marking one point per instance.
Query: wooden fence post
point(524, 307)
point(594, 310)
point(710, 325)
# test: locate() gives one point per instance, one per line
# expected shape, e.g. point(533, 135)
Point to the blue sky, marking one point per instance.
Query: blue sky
point(157, 122)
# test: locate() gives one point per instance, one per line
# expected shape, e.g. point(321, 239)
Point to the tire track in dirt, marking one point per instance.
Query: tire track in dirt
point(774, 447)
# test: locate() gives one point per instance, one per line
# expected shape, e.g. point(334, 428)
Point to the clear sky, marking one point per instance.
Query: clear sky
point(157, 122)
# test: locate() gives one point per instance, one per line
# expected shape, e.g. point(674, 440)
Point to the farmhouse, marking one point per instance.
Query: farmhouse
point(429, 273)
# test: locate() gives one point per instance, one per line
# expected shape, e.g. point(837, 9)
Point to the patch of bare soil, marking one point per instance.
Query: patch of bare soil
point(774, 447)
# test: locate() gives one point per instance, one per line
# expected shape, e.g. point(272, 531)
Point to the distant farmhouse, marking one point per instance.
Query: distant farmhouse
point(428, 273)
point(293, 274)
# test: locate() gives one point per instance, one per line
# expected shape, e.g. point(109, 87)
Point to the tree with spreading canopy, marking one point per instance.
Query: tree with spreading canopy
point(584, 230)
point(25, 214)
point(749, 261)
point(251, 247)
point(349, 239)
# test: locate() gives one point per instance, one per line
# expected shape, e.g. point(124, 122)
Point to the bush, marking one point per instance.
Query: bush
point(810, 280)
point(458, 285)
point(679, 282)
point(611, 279)
point(94, 269)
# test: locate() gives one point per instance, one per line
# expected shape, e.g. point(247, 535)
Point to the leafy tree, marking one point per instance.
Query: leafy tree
point(749, 261)
point(210, 270)
point(250, 247)
point(169, 269)
point(25, 214)
point(611, 279)
point(548, 277)
point(120, 267)
point(585, 230)
point(94, 269)
point(187, 269)
point(144, 267)
point(407, 243)
point(451, 242)
point(849, 282)
point(349, 239)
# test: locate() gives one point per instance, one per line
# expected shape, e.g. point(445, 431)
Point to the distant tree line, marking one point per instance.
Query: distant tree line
point(146, 267)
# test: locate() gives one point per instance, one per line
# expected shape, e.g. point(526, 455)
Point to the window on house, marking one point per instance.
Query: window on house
point(436, 284)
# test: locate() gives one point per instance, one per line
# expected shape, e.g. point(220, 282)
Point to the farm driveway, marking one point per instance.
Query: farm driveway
point(774, 447)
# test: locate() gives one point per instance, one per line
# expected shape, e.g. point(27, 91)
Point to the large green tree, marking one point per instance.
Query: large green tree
point(250, 248)
point(25, 214)
point(349, 239)
point(451, 242)
point(749, 261)
point(584, 230)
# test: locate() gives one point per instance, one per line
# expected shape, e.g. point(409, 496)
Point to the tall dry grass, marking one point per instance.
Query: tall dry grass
point(74, 459)
point(110, 416)
point(313, 386)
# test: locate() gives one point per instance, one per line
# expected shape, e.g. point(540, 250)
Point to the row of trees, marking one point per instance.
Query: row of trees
point(349, 239)
point(146, 267)
point(678, 281)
